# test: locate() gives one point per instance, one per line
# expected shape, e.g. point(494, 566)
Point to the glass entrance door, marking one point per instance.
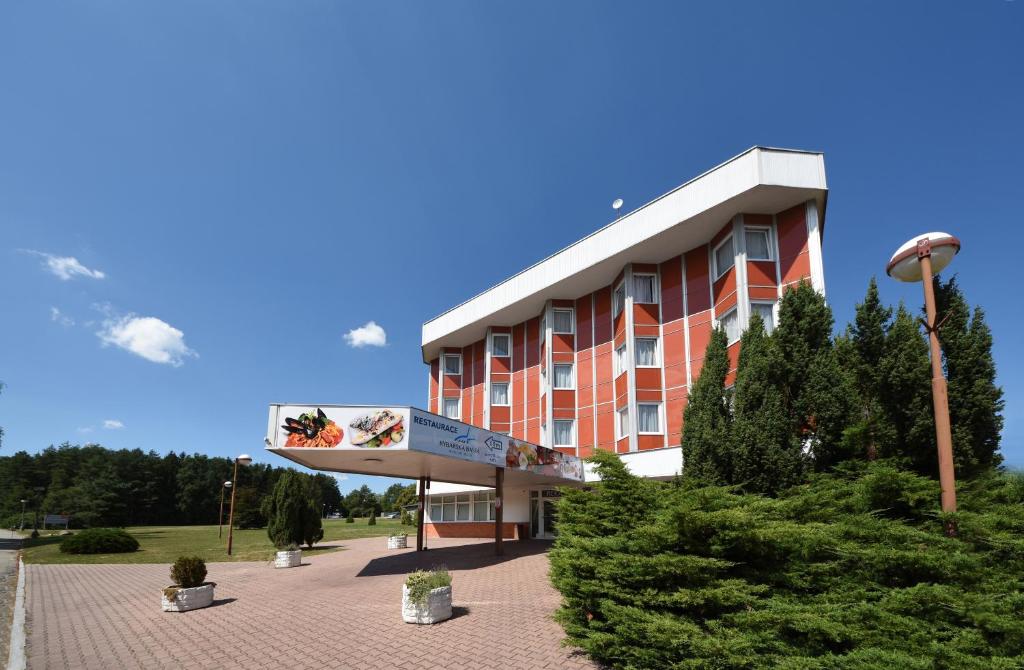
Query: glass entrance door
point(543, 514)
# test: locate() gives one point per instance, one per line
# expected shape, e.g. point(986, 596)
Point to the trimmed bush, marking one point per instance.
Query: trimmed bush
point(293, 511)
point(188, 571)
point(350, 519)
point(99, 541)
point(372, 521)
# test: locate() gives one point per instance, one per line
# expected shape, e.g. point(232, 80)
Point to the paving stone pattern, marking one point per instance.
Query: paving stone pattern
point(338, 610)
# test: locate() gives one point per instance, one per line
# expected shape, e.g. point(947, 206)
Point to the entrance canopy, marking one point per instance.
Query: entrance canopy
point(410, 443)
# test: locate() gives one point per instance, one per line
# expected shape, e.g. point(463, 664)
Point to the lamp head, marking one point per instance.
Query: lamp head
point(227, 485)
point(244, 459)
point(905, 264)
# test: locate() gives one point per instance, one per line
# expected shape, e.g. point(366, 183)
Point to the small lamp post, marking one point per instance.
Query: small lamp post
point(23, 502)
point(244, 459)
point(220, 518)
point(917, 260)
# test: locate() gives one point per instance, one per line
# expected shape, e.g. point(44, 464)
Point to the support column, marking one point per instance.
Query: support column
point(499, 504)
point(421, 512)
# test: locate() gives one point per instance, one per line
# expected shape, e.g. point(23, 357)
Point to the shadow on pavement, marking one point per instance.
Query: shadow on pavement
point(461, 557)
point(10, 544)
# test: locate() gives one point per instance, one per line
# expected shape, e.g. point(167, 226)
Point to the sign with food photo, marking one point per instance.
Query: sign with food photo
point(315, 427)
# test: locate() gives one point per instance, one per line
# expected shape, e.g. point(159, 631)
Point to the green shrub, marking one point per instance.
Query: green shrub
point(421, 582)
point(188, 571)
point(372, 520)
point(350, 519)
point(293, 511)
point(407, 519)
point(99, 541)
point(851, 570)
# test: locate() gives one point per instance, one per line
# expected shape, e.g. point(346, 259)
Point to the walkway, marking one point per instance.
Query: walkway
point(339, 610)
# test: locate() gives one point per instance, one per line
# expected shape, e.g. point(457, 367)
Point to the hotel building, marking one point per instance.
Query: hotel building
point(597, 346)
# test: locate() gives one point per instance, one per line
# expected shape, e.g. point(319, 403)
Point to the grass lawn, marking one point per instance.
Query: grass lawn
point(163, 544)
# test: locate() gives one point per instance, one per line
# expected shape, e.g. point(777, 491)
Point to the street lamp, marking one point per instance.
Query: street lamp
point(220, 518)
point(917, 260)
point(244, 459)
point(22, 529)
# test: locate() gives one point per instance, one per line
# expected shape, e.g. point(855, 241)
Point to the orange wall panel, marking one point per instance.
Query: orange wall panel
point(562, 398)
point(645, 314)
point(499, 414)
point(671, 279)
point(698, 280)
point(761, 273)
point(648, 378)
point(648, 442)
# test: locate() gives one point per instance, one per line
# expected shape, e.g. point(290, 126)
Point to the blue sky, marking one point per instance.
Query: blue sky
point(256, 179)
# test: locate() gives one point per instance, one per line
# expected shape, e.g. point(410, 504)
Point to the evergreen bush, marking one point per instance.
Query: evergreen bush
point(350, 519)
point(407, 519)
point(372, 521)
point(850, 570)
point(293, 511)
point(188, 572)
point(99, 541)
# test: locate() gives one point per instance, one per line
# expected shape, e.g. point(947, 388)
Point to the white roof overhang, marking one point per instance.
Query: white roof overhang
point(759, 181)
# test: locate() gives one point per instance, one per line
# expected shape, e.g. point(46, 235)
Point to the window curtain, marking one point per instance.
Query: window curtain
point(563, 433)
point(646, 351)
point(647, 419)
point(499, 394)
point(563, 376)
point(643, 289)
point(562, 321)
point(757, 245)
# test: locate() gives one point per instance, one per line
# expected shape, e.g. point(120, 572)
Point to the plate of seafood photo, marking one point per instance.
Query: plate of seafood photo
point(312, 430)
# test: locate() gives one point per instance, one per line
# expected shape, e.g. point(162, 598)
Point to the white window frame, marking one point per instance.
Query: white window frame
point(508, 348)
point(719, 319)
point(458, 404)
point(616, 309)
point(621, 363)
point(572, 433)
point(480, 498)
point(769, 303)
point(768, 238)
point(714, 257)
point(444, 363)
point(572, 320)
point(636, 350)
point(654, 288)
point(508, 394)
point(619, 432)
point(661, 418)
point(572, 377)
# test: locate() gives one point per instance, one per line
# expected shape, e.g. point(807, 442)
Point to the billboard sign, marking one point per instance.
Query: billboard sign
point(411, 429)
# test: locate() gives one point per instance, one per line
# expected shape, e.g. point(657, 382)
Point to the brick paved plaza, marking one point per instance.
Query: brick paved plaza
point(339, 610)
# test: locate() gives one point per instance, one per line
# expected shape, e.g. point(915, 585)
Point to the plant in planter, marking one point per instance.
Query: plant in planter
point(398, 539)
point(293, 517)
point(427, 596)
point(350, 519)
point(190, 591)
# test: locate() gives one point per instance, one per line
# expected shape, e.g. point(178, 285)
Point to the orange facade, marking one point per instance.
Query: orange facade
point(691, 296)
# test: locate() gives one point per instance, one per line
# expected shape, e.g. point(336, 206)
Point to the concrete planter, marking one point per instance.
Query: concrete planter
point(437, 607)
point(183, 600)
point(398, 542)
point(288, 559)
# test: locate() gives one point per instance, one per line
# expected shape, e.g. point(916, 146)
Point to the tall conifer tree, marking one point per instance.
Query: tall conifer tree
point(767, 455)
point(805, 328)
point(706, 419)
point(975, 402)
point(906, 393)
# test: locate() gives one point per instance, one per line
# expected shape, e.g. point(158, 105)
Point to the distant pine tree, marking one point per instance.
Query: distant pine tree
point(832, 403)
point(805, 328)
point(767, 455)
point(706, 419)
point(975, 402)
point(906, 398)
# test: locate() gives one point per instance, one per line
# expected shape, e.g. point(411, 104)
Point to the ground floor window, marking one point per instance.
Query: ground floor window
point(462, 507)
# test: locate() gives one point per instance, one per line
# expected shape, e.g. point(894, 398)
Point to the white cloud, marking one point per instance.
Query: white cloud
point(60, 317)
point(65, 267)
point(112, 424)
point(148, 337)
point(369, 335)
point(85, 429)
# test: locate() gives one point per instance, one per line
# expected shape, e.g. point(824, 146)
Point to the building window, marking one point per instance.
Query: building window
point(725, 257)
point(462, 507)
point(646, 352)
point(648, 418)
point(644, 290)
point(759, 247)
point(483, 506)
point(563, 376)
point(730, 322)
point(619, 300)
point(620, 359)
point(453, 364)
point(501, 345)
point(767, 312)
point(623, 423)
point(451, 408)
point(563, 433)
point(561, 321)
point(499, 393)
point(443, 508)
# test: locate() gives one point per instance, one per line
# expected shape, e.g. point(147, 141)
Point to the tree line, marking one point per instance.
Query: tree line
point(803, 399)
point(127, 487)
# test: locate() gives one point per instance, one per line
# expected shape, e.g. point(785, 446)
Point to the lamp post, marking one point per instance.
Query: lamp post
point(244, 459)
point(220, 518)
point(23, 502)
point(917, 260)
